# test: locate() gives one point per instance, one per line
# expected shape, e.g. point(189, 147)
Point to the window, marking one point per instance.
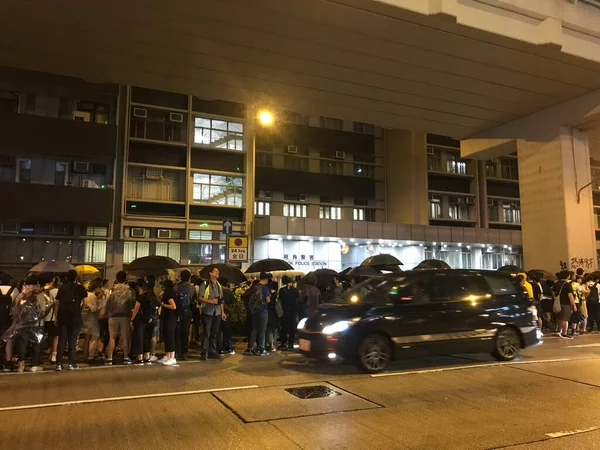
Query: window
point(219, 133)
point(40, 105)
point(331, 123)
point(434, 160)
point(458, 208)
point(91, 112)
point(218, 190)
point(95, 251)
point(328, 166)
point(491, 168)
point(134, 250)
point(435, 207)
point(197, 235)
point(362, 127)
point(172, 250)
point(466, 258)
point(61, 173)
point(493, 215)
point(597, 213)
point(510, 169)
point(501, 285)
point(455, 164)
point(264, 158)
point(359, 214)
point(294, 210)
point(330, 212)
point(200, 253)
point(512, 212)
point(23, 170)
point(9, 102)
point(295, 117)
point(492, 261)
point(295, 163)
point(363, 170)
point(262, 208)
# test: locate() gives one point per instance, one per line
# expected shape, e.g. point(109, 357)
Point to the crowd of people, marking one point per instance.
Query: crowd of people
point(58, 314)
point(568, 306)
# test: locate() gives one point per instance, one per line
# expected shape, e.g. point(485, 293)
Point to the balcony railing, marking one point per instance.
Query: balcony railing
point(155, 190)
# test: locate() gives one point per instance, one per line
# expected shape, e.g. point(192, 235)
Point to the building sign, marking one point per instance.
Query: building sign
point(237, 248)
point(304, 262)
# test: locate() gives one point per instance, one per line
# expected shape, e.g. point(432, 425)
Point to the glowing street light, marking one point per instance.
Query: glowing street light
point(265, 118)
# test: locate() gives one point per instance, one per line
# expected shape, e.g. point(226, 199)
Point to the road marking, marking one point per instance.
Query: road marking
point(571, 433)
point(127, 397)
point(471, 366)
point(582, 345)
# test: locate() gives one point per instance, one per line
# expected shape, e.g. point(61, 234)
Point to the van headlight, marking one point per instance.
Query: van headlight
point(337, 327)
point(301, 324)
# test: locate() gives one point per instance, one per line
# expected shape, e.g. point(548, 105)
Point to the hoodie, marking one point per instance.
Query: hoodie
point(121, 301)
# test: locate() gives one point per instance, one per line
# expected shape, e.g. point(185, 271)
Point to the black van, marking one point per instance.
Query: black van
point(422, 312)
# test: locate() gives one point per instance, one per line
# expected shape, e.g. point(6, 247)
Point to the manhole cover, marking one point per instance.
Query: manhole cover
point(306, 392)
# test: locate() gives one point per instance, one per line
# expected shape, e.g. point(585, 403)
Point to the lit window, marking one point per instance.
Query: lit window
point(455, 164)
point(512, 212)
point(218, 190)
point(95, 251)
point(330, 212)
point(435, 207)
point(262, 208)
point(200, 253)
point(134, 250)
point(172, 250)
point(359, 214)
point(294, 210)
point(219, 133)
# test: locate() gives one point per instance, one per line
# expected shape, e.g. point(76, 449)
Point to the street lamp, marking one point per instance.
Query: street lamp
point(265, 118)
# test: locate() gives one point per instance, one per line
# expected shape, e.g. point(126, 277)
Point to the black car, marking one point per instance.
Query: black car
point(422, 312)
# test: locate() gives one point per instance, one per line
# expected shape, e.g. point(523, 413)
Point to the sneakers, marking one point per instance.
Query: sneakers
point(36, 369)
point(153, 358)
point(58, 368)
point(161, 360)
point(21, 367)
point(127, 361)
point(263, 352)
point(138, 362)
point(53, 357)
point(170, 362)
point(73, 367)
point(147, 362)
point(231, 352)
point(108, 362)
point(248, 352)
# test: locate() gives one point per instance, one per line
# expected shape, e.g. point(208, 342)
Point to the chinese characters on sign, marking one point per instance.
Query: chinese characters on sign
point(577, 263)
point(237, 248)
point(304, 261)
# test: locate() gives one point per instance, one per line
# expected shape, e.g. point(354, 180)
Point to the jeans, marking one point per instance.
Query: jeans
point(259, 329)
point(224, 339)
point(21, 344)
point(288, 329)
point(68, 334)
point(141, 337)
point(182, 333)
point(211, 329)
point(272, 335)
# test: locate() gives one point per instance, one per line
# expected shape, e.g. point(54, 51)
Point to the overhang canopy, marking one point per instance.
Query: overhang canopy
point(425, 65)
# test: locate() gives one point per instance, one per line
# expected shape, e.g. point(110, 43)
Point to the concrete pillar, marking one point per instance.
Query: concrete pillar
point(558, 231)
point(406, 177)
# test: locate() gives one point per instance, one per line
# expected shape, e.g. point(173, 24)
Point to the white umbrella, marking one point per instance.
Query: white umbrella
point(52, 267)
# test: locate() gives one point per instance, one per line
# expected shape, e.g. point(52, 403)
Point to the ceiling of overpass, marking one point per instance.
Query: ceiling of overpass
point(354, 59)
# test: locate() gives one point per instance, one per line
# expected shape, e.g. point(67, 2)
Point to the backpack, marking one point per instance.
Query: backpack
point(593, 297)
point(254, 299)
point(183, 302)
point(5, 307)
point(150, 315)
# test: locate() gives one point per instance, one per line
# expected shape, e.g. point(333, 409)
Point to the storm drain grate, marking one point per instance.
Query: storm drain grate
point(306, 392)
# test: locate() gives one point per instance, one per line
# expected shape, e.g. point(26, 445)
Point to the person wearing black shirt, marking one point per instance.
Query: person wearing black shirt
point(288, 296)
point(143, 319)
point(69, 301)
point(169, 323)
point(564, 291)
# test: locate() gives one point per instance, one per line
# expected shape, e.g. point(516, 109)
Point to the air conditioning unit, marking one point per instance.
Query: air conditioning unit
point(267, 195)
point(164, 234)
point(137, 232)
point(59, 229)
point(292, 149)
point(6, 160)
point(82, 116)
point(470, 200)
point(88, 184)
point(153, 173)
point(81, 167)
point(176, 117)
point(303, 197)
point(340, 155)
point(142, 113)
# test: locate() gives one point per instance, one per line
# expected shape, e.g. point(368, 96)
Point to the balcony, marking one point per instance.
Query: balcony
point(52, 136)
point(155, 184)
point(51, 203)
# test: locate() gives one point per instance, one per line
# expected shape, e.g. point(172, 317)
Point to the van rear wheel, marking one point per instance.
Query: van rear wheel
point(374, 353)
point(507, 344)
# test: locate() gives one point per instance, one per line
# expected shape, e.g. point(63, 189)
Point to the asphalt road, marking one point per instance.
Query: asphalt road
point(548, 399)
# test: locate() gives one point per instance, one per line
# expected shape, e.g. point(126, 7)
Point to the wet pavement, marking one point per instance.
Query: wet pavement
point(547, 399)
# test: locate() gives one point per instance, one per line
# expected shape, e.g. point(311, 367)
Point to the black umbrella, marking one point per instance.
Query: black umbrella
point(52, 267)
point(269, 265)
point(231, 273)
point(383, 260)
point(510, 269)
point(541, 274)
point(324, 278)
point(361, 271)
point(152, 263)
point(433, 264)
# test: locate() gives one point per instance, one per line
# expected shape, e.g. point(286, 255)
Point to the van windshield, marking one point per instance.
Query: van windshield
point(373, 290)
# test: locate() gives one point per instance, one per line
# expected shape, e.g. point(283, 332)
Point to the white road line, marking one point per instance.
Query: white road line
point(127, 397)
point(464, 367)
point(571, 433)
point(582, 345)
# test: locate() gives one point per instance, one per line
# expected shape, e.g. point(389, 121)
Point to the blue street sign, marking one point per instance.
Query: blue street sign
point(227, 226)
